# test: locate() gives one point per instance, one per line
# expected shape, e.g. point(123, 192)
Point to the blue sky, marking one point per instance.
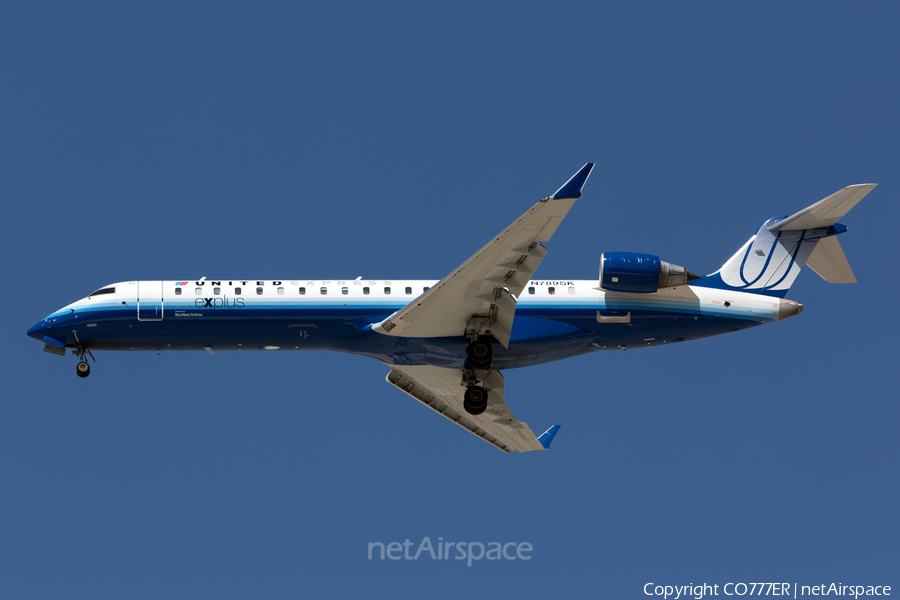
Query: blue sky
point(392, 140)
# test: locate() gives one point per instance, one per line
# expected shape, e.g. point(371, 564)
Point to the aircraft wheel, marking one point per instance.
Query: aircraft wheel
point(475, 400)
point(83, 369)
point(480, 354)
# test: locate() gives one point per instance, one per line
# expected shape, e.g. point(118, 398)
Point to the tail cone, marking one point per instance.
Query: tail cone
point(788, 308)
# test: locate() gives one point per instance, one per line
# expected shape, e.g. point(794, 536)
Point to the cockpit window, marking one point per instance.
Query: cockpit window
point(109, 290)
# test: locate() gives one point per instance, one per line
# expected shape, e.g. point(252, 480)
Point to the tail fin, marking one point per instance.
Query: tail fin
point(771, 260)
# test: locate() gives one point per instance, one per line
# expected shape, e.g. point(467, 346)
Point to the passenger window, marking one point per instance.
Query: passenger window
point(531, 290)
point(281, 291)
point(425, 289)
point(409, 290)
point(302, 291)
point(323, 291)
point(571, 290)
point(366, 291)
point(552, 290)
point(237, 291)
point(345, 291)
point(387, 291)
point(177, 291)
point(198, 291)
point(259, 291)
point(217, 291)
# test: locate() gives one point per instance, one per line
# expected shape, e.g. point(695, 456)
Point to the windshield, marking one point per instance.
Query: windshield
point(106, 290)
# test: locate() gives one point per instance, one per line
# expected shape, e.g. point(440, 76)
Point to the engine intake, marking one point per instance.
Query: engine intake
point(640, 273)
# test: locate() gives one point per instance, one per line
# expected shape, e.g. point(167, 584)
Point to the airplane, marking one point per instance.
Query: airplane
point(447, 342)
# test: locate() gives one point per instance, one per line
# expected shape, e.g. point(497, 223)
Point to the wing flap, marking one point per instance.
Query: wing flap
point(441, 390)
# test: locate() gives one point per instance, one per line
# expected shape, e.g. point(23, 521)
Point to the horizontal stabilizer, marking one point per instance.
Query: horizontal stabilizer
point(825, 212)
point(829, 262)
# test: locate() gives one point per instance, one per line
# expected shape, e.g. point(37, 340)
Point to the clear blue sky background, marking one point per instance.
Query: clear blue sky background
point(391, 140)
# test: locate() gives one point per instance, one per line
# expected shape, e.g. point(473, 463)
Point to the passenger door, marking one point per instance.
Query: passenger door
point(150, 301)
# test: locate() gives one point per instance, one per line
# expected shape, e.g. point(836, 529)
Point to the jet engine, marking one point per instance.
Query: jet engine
point(640, 273)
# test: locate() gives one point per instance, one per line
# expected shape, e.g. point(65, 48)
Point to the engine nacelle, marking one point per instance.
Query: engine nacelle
point(640, 273)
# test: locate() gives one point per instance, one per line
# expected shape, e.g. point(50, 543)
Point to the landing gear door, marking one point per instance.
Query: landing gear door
point(150, 301)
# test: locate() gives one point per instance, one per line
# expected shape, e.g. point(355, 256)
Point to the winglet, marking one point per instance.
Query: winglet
point(572, 188)
point(547, 437)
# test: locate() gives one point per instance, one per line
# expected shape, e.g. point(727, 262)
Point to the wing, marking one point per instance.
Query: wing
point(440, 389)
point(479, 296)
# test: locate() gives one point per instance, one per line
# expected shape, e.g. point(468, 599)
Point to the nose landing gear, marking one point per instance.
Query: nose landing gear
point(83, 369)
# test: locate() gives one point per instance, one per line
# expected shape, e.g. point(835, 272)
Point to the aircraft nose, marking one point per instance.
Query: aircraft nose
point(37, 330)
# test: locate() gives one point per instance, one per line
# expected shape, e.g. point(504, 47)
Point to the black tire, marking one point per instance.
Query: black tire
point(474, 410)
point(475, 400)
point(480, 352)
point(83, 369)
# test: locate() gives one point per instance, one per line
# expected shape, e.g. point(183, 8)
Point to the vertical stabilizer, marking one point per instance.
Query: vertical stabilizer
point(771, 260)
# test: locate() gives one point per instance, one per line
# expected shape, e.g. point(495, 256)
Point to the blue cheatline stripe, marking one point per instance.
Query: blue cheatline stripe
point(374, 314)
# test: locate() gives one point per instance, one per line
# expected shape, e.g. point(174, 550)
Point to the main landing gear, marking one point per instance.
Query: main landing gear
point(83, 369)
point(480, 354)
point(475, 400)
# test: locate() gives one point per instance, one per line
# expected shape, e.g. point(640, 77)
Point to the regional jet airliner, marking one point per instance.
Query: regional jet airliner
point(446, 342)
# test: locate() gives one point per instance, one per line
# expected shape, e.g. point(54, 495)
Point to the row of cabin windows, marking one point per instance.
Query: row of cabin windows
point(344, 290)
point(552, 290)
point(323, 290)
point(366, 290)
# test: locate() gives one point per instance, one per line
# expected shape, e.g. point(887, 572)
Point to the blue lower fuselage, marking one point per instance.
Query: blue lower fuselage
point(544, 330)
